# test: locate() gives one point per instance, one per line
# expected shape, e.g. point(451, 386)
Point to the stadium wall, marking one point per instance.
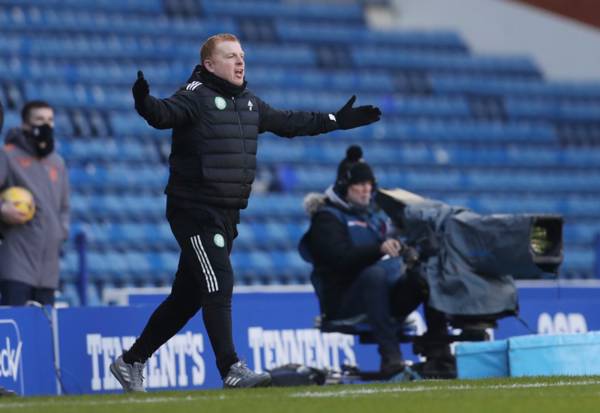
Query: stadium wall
point(68, 350)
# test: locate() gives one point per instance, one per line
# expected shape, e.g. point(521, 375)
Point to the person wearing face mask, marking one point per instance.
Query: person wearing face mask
point(29, 250)
point(359, 266)
point(215, 120)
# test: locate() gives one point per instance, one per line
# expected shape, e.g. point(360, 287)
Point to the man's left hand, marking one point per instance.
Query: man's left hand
point(348, 117)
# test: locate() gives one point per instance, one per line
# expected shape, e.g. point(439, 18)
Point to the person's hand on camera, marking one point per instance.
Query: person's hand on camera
point(391, 247)
point(410, 255)
point(348, 117)
point(140, 88)
point(11, 215)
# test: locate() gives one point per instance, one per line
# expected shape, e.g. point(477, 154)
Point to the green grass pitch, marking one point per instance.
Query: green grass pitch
point(547, 395)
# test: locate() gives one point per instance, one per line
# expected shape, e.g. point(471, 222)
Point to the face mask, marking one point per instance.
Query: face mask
point(43, 139)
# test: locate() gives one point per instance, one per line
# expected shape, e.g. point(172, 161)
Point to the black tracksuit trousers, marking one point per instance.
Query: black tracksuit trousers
point(204, 280)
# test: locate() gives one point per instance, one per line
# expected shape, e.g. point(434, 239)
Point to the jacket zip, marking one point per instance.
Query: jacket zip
point(241, 135)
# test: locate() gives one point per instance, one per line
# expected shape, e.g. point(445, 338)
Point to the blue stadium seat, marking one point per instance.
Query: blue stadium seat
point(69, 294)
point(435, 137)
point(265, 9)
point(146, 6)
point(109, 150)
point(380, 57)
point(320, 33)
point(577, 262)
point(528, 87)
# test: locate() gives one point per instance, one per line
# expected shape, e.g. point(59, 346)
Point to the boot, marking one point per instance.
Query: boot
point(392, 362)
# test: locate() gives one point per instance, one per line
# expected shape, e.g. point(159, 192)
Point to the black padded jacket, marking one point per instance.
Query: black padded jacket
point(214, 139)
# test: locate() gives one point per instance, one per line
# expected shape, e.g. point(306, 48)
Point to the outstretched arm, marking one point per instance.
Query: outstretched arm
point(296, 123)
point(178, 110)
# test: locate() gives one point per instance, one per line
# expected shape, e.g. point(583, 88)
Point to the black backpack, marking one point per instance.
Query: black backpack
point(297, 375)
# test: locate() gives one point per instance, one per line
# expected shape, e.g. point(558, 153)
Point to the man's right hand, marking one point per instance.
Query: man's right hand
point(12, 215)
point(140, 88)
point(391, 247)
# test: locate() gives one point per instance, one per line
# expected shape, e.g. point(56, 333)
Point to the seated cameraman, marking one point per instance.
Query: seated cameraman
point(360, 269)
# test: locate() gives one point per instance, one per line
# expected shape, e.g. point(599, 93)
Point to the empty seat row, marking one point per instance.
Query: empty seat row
point(445, 83)
point(149, 48)
point(52, 19)
point(137, 6)
point(127, 207)
point(83, 95)
point(261, 235)
point(265, 77)
point(578, 263)
point(112, 72)
point(130, 124)
point(117, 207)
point(544, 108)
point(323, 33)
point(273, 150)
point(172, 74)
point(582, 232)
point(120, 267)
point(118, 176)
point(349, 12)
point(108, 150)
point(377, 57)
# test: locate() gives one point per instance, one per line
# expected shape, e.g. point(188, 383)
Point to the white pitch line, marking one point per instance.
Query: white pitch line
point(146, 400)
point(60, 401)
point(416, 389)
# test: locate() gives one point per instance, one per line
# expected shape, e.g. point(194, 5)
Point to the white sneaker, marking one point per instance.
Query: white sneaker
point(240, 375)
point(130, 376)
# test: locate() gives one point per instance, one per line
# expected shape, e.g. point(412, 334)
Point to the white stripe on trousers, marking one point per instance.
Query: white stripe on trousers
point(209, 274)
point(204, 269)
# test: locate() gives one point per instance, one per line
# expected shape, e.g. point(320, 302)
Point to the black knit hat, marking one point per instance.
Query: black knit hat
point(353, 169)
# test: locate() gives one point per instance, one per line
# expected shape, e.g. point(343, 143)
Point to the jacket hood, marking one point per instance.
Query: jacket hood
point(313, 202)
point(316, 200)
point(15, 136)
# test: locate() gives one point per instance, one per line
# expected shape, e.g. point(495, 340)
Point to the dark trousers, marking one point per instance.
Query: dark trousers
point(18, 293)
point(372, 294)
point(204, 280)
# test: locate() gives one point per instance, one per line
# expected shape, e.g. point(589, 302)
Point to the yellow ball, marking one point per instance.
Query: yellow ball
point(22, 199)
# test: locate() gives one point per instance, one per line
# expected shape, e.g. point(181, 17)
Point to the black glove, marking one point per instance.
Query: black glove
point(140, 88)
point(348, 117)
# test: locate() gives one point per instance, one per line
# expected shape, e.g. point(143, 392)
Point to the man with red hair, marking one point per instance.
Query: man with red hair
point(215, 121)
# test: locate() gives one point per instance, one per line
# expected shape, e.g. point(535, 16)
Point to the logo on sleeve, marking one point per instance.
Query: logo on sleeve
point(219, 240)
point(193, 85)
point(220, 103)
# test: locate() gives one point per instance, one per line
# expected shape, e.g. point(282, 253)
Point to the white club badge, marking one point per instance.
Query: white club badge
point(250, 105)
point(220, 103)
point(219, 240)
